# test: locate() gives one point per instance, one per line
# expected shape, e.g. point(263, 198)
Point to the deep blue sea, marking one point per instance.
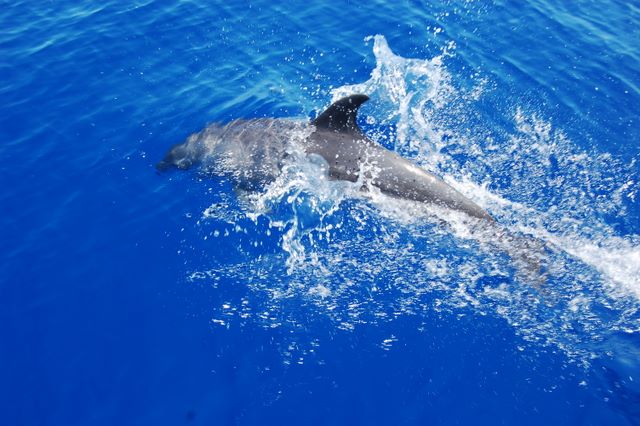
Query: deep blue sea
point(132, 297)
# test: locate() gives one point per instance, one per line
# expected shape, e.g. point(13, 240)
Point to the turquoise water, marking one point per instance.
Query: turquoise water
point(132, 297)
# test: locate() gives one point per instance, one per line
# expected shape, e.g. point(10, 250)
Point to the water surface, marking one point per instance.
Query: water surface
point(130, 297)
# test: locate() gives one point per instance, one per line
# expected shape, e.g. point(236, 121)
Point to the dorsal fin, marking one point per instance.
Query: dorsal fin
point(341, 115)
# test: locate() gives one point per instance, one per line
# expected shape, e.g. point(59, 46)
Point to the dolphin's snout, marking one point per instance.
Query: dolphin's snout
point(163, 166)
point(167, 164)
point(182, 156)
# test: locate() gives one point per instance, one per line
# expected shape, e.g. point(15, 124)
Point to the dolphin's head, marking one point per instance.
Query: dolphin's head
point(184, 155)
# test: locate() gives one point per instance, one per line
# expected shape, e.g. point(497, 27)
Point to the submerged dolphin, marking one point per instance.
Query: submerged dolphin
point(252, 151)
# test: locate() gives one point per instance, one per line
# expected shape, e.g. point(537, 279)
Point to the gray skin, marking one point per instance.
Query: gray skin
point(252, 151)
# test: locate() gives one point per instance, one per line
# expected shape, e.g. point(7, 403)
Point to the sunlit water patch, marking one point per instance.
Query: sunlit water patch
point(308, 246)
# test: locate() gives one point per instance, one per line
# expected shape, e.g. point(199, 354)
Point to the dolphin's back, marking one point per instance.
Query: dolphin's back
point(249, 151)
point(252, 150)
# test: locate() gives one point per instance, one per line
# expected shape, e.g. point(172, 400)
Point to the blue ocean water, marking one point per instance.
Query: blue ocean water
point(132, 297)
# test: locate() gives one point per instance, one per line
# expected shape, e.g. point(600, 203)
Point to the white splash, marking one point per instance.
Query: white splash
point(362, 257)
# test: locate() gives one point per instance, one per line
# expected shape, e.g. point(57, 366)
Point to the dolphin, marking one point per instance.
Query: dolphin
point(253, 153)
